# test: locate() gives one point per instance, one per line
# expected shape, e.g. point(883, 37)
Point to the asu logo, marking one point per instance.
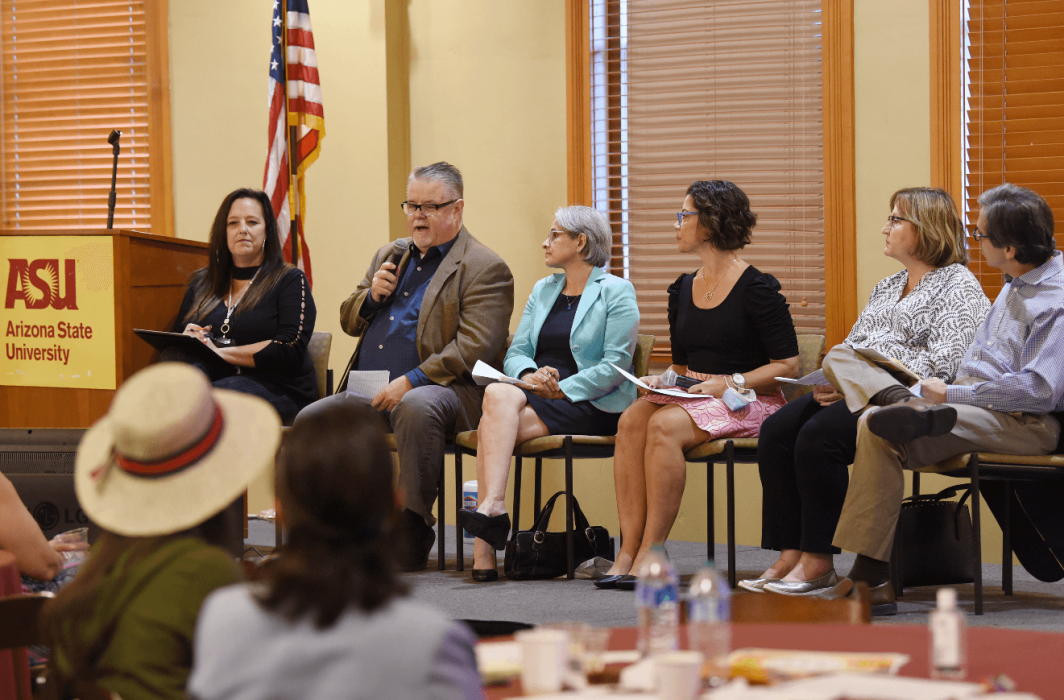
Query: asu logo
point(36, 284)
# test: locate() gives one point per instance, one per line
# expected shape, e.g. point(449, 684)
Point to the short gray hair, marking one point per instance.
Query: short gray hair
point(590, 222)
point(441, 172)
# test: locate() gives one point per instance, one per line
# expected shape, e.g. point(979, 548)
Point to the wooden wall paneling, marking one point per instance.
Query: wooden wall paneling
point(840, 189)
point(578, 100)
point(946, 98)
point(160, 166)
point(123, 344)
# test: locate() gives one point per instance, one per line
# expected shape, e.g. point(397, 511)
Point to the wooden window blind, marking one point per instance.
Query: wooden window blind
point(73, 70)
point(1014, 107)
point(684, 91)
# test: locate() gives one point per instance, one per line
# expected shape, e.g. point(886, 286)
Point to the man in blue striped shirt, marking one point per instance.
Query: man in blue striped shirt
point(1009, 382)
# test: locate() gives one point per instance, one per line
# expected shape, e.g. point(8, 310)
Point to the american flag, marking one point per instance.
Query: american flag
point(304, 113)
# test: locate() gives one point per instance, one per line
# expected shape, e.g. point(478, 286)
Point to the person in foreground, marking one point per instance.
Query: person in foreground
point(924, 316)
point(329, 616)
point(251, 309)
point(730, 329)
point(1010, 380)
point(575, 324)
point(426, 320)
point(40, 561)
point(156, 474)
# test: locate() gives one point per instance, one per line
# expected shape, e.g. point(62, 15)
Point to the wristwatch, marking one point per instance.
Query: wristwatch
point(739, 381)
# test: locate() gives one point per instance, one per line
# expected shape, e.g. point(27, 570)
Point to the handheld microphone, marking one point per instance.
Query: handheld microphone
point(399, 249)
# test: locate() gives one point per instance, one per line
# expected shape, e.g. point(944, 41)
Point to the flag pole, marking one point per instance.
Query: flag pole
point(293, 166)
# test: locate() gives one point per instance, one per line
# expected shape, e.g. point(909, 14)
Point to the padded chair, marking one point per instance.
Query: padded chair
point(977, 467)
point(731, 450)
point(567, 447)
point(759, 608)
point(318, 349)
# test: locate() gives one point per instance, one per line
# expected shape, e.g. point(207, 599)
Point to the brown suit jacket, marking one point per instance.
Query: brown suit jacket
point(464, 317)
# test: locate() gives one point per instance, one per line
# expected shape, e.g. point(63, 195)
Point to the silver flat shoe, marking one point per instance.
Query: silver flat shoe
point(817, 585)
point(756, 585)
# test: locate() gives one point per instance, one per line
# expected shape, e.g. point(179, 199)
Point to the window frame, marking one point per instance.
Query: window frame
point(840, 214)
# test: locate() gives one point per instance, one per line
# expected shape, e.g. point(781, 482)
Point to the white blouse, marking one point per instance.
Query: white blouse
point(930, 329)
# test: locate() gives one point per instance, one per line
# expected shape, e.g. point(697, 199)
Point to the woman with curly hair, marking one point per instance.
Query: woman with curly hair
point(330, 617)
point(730, 329)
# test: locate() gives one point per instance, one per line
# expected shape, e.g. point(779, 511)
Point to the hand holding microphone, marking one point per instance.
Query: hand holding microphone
point(385, 279)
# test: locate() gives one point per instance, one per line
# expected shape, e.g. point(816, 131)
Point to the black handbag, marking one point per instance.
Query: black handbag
point(538, 554)
point(936, 539)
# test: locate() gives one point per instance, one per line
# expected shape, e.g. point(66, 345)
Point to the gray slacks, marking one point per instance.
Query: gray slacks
point(420, 422)
point(873, 500)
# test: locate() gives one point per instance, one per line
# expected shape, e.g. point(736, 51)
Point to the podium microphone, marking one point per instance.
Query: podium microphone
point(113, 140)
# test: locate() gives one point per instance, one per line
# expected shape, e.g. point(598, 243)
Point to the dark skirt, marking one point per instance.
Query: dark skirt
point(565, 417)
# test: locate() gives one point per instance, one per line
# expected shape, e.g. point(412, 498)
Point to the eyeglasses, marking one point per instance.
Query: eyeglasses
point(976, 236)
point(681, 214)
point(409, 208)
point(895, 220)
point(555, 234)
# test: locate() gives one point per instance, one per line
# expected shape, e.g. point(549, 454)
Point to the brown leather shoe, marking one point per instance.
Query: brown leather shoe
point(911, 419)
point(881, 598)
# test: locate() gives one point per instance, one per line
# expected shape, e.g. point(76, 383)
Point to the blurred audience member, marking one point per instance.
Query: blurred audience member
point(329, 618)
point(156, 473)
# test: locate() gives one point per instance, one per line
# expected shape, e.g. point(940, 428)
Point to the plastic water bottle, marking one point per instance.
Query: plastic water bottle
point(709, 621)
point(949, 638)
point(657, 603)
point(469, 502)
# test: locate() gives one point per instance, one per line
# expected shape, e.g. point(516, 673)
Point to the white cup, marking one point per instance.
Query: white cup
point(678, 674)
point(544, 653)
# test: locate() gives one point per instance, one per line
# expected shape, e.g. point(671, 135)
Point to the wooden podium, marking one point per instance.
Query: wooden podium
point(150, 276)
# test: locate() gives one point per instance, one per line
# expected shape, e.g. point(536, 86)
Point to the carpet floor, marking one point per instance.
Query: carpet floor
point(1034, 605)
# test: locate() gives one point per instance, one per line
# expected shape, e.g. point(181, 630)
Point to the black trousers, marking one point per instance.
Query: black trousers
point(803, 453)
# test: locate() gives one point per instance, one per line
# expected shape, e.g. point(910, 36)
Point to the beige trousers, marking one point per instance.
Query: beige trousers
point(873, 500)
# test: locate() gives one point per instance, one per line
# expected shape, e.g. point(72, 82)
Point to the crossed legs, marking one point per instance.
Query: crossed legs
point(506, 420)
point(649, 474)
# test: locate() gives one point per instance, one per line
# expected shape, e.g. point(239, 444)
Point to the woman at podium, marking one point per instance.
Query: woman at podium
point(251, 309)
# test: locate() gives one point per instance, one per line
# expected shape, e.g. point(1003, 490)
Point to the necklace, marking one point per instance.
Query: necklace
point(569, 301)
point(709, 294)
point(232, 305)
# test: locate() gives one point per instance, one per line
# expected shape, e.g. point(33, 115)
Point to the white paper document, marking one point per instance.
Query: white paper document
point(367, 384)
point(643, 385)
point(811, 379)
point(484, 374)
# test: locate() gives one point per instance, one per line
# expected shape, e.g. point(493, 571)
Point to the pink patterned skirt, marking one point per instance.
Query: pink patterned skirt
point(714, 417)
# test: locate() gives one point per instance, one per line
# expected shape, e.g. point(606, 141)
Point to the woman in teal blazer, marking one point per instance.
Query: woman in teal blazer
point(576, 323)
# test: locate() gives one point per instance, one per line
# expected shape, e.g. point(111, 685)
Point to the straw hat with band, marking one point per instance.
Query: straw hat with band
point(172, 452)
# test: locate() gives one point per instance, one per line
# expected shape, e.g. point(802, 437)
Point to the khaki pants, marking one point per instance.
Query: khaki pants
point(873, 500)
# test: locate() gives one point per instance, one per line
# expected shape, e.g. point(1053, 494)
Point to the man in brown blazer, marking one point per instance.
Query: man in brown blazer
point(427, 320)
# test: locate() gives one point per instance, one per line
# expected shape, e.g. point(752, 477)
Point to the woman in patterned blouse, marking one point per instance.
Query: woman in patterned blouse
point(924, 316)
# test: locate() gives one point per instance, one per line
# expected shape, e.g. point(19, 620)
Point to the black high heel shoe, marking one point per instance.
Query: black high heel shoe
point(490, 528)
point(487, 575)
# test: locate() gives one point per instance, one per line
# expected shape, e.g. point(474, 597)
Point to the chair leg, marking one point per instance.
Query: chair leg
point(278, 532)
point(977, 535)
point(897, 570)
point(441, 520)
point(1006, 541)
point(538, 491)
point(729, 451)
point(459, 503)
point(916, 483)
point(514, 526)
point(711, 536)
point(569, 566)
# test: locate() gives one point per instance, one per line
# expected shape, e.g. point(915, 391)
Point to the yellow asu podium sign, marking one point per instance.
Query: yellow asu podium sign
point(58, 315)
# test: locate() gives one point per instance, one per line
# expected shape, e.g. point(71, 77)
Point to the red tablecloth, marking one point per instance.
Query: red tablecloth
point(14, 663)
point(1031, 659)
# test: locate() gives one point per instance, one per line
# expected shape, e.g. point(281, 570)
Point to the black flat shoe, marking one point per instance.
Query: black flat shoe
point(626, 583)
point(608, 583)
point(912, 419)
point(490, 528)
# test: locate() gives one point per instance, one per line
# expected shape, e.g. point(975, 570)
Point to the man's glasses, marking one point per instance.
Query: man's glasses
point(681, 214)
point(976, 236)
point(409, 208)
